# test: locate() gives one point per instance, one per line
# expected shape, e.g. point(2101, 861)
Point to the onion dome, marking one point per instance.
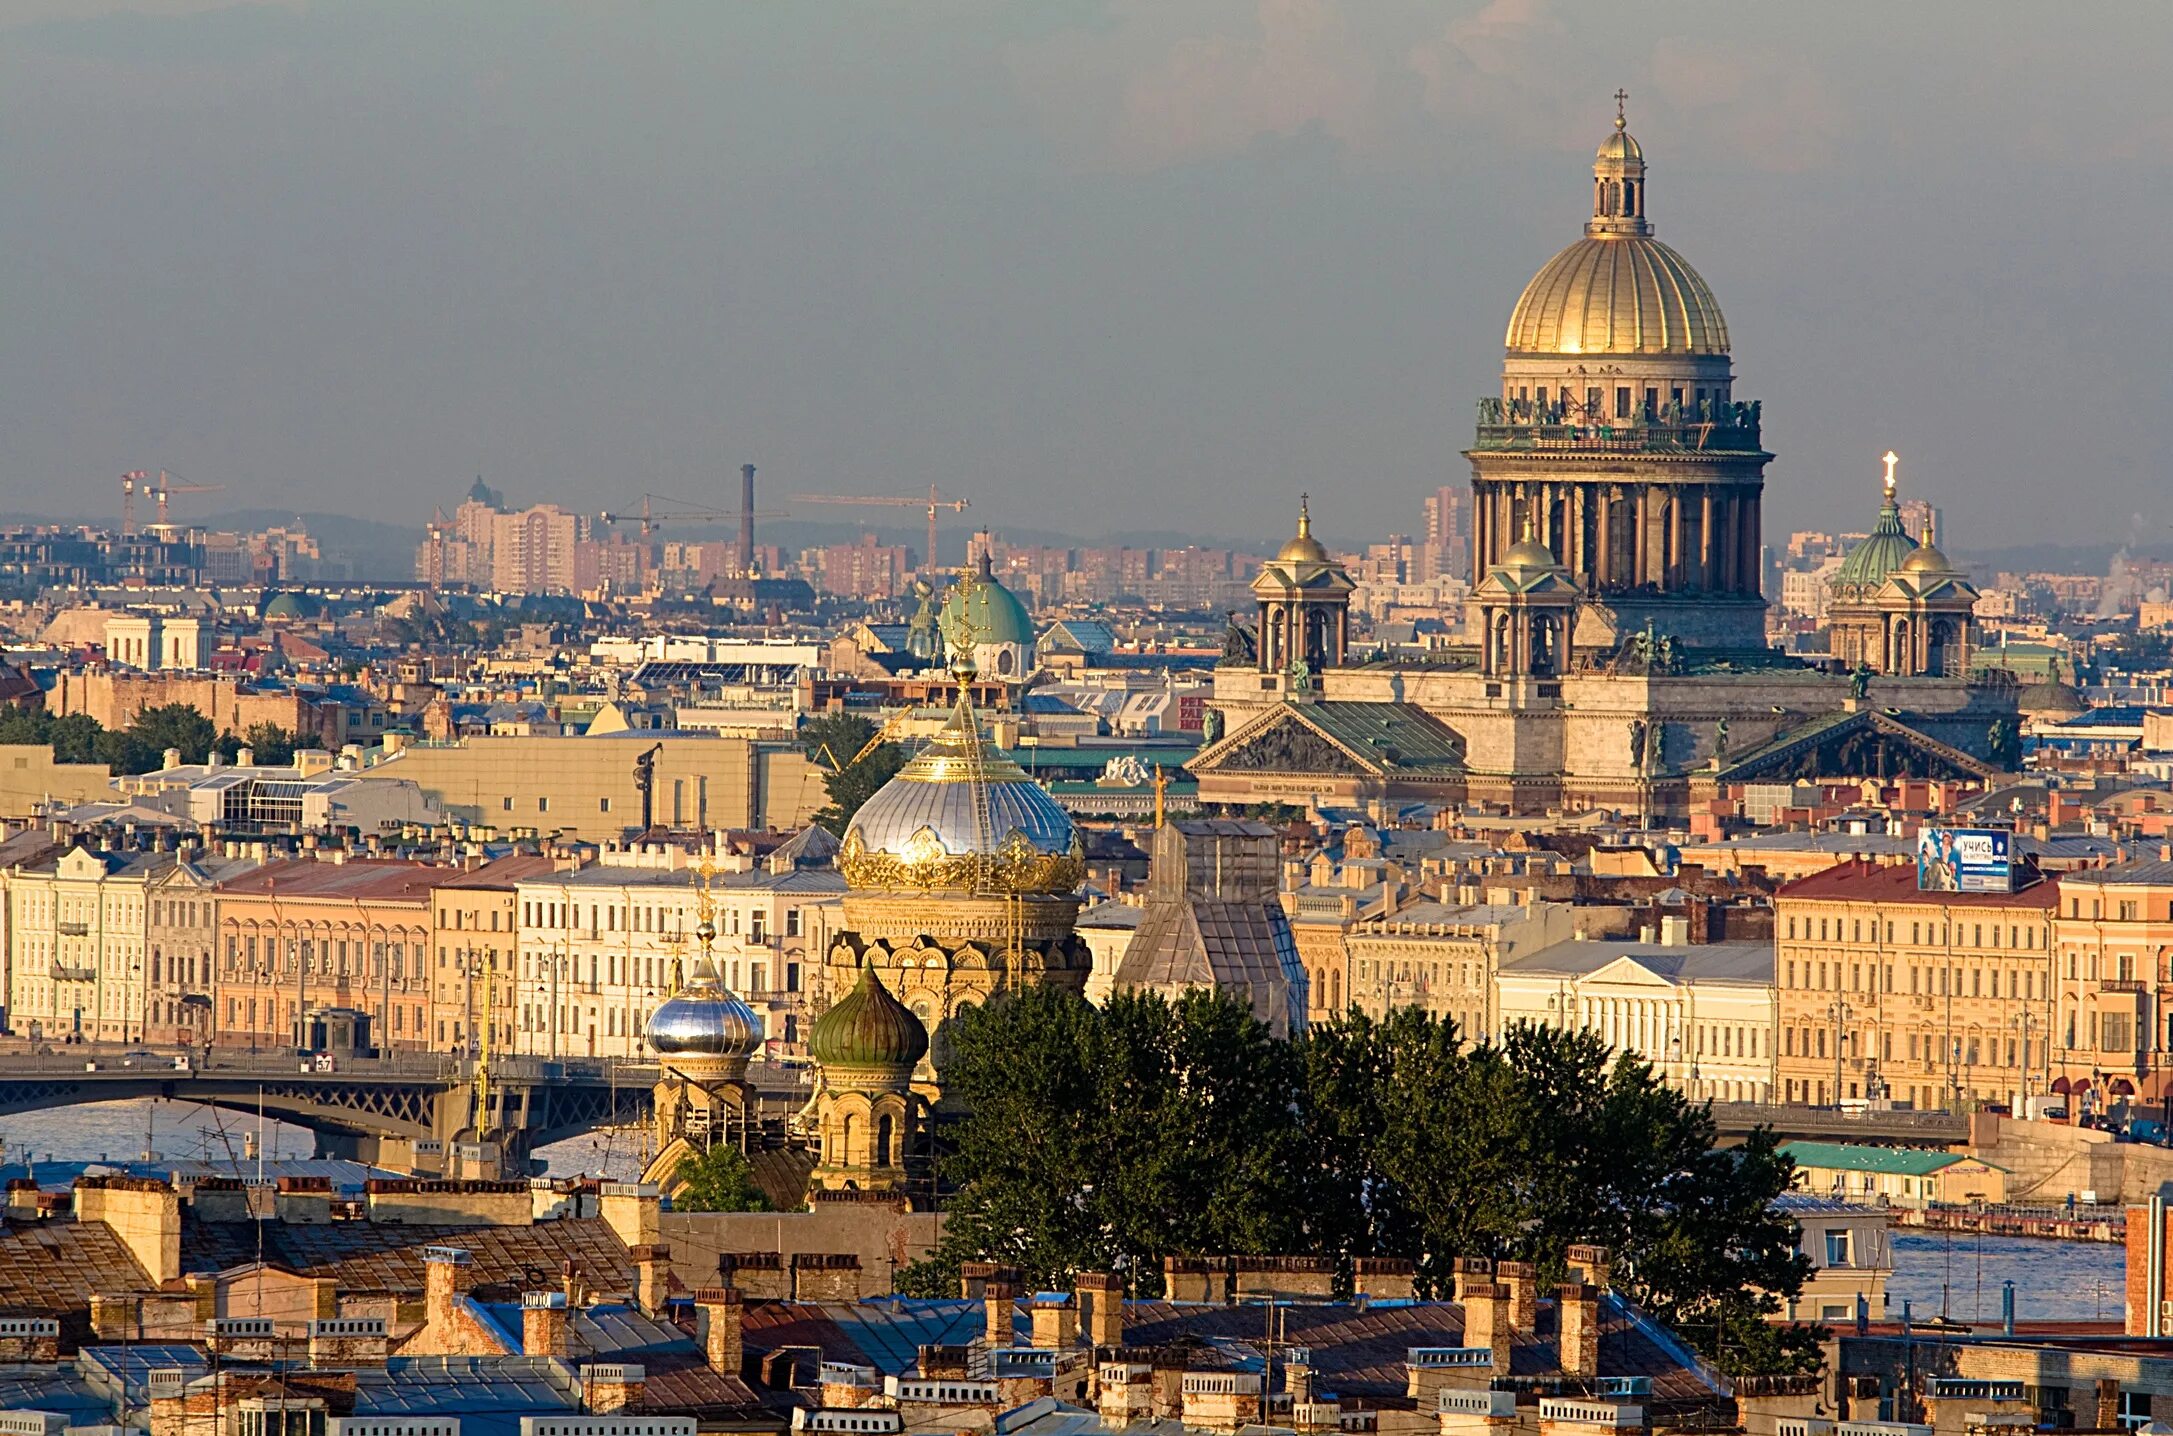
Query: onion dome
point(980, 611)
point(868, 1031)
point(704, 1021)
point(1618, 290)
point(961, 817)
point(1303, 547)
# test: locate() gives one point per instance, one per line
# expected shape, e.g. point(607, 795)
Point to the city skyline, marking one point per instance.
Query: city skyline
point(1112, 272)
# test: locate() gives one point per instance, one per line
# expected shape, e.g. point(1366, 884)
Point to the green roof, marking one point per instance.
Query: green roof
point(1869, 563)
point(1889, 1161)
point(983, 611)
point(1399, 736)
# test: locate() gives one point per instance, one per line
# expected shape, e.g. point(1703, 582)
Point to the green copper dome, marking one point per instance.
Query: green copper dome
point(1885, 549)
point(868, 1029)
point(979, 610)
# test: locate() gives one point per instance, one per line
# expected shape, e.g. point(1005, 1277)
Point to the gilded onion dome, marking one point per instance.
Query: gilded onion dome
point(961, 817)
point(704, 1020)
point(1618, 290)
point(869, 1031)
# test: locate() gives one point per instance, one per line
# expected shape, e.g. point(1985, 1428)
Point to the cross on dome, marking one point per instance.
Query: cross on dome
point(1891, 459)
point(1622, 97)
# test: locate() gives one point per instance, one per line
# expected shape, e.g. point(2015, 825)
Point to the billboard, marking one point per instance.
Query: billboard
point(1965, 860)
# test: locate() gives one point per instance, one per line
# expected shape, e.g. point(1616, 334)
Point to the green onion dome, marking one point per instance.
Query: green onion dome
point(868, 1031)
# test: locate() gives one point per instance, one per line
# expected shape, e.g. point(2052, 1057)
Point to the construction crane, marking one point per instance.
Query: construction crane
point(932, 503)
point(129, 481)
point(881, 736)
point(650, 519)
point(166, 488)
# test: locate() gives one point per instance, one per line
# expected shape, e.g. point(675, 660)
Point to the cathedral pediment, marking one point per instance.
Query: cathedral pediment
point(1863, 744)
point(1334, 739)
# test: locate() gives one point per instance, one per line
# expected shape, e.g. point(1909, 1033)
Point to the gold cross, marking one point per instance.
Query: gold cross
point(1621, 98)
point(1892, 459)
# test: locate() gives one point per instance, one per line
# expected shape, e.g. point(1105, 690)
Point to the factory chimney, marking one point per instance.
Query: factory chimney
point(746, 520)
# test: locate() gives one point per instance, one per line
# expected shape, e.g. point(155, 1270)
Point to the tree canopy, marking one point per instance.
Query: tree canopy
point(1109, 1138)
point(138, 748)
point(831, 741)
point(718, 1180)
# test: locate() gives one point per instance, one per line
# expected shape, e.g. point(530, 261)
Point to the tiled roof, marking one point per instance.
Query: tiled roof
point(1896, 882)
point(1355, 1352)
point(52, 1268)
point(363, 879)
point(380, 1256)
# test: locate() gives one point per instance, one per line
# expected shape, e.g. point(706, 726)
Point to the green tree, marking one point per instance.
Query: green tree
point(268, 744)
point(831, 741)
point(718, 1180)
point(1107, 1139)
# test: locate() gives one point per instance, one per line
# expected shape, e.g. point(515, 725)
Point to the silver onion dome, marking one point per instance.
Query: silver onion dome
point(704, 1020)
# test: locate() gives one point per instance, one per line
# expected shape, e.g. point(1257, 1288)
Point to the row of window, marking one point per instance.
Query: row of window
point(2012, 938)
point(1946, 980)
point(606, 917)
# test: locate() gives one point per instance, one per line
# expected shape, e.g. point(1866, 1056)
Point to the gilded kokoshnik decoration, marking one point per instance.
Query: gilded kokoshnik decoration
point(924, 864)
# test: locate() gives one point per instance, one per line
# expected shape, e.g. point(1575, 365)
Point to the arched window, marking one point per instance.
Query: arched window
point(882, 1141)
point(1629, 198)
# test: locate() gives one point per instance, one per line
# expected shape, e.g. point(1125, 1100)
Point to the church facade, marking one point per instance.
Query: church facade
point(1615, 652)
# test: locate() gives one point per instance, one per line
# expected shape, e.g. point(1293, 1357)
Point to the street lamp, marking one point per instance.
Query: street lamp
point(1840, 1012)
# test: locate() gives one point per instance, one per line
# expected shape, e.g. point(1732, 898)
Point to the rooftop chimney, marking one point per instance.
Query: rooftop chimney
point(747, 520)
point(717, 1315)
point(1577, 1313)
point(998, 1312)
point(544, 1330)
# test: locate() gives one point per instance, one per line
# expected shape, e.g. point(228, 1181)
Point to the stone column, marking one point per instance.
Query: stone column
point(1481, 496)
point(1705, 538)
point(1641, 540)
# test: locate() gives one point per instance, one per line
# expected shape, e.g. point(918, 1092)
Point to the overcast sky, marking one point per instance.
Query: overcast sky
point(1127, 265)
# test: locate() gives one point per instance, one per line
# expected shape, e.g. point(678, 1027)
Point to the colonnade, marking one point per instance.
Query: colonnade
point(1687, 537)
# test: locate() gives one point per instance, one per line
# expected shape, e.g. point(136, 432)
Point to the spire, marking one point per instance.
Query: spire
point(1305, 516)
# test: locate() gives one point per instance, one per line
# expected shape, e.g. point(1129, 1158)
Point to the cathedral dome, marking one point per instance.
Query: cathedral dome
point(704, 1020)
point(980, 611)
point(962, 818)
point(868, 1030)
point(1927, 559)
point(1880, 554)
point(1618, 290)
point(1618, 294)
point(1302, 547)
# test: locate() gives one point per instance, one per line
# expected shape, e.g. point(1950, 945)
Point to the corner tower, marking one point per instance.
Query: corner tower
point(1617, 441)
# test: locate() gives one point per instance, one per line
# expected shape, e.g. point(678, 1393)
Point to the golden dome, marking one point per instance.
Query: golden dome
point(1618, 290)
point(1302, 547)
point(1927, 559)
point(1529, 553)
point(1618, 294)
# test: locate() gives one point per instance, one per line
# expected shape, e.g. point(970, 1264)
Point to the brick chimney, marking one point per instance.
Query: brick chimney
point(998, 1314)
point(717, 1314)
point(1385, 1278)
point(1056, 1321)
point(1100, 1298)
point(1577, 1313)
point(1197, 1279)
point(445, 1276)
point(545, 1325)
point(652, 1276)
point(612, 1386)
point(633, 1211)
point(1486, 1322)
point(1468, 1272)
point(1592, 1265)
point(1522, 1279)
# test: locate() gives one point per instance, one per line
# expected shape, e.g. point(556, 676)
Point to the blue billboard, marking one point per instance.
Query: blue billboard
point(1965, 860)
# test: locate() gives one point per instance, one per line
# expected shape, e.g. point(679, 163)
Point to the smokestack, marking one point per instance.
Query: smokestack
point(746, 519)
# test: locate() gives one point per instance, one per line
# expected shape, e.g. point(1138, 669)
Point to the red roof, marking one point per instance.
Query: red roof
point(1859, 881)
point(356, 880)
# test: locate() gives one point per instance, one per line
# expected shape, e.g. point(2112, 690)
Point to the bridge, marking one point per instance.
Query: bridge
point(1834, 1124)
point(372, 1109)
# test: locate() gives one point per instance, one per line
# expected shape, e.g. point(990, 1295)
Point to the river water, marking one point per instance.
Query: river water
point(1960, 1276)
point(124, 1131)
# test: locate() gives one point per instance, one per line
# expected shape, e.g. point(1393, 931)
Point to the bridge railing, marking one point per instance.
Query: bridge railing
point(1800, 1117)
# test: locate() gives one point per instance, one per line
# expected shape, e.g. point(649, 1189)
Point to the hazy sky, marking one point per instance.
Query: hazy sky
point(1127, 265)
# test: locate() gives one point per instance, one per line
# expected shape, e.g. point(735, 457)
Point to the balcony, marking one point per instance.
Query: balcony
point(72, 929)
point(1737, 433)
point(2127, 986)
point(61, 972)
